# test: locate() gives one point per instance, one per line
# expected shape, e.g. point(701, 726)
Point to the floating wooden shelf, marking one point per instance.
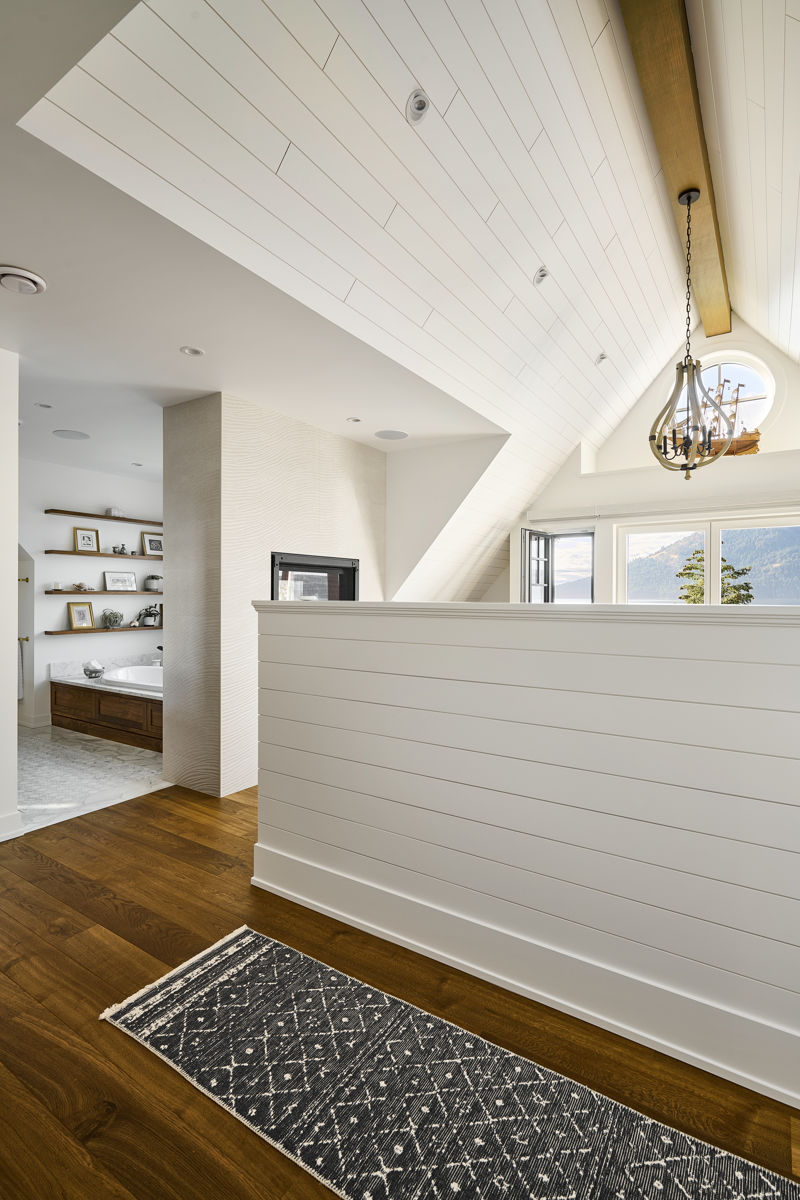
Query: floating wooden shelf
point(67, 512)
point(80, 592)
point(116, 629)
point(116, 557)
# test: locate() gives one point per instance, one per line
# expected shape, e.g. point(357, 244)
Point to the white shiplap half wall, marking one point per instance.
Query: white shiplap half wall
point(277, 134)
point(599, 809)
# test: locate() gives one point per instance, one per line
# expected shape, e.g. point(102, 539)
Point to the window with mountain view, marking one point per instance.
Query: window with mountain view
point(770, 557)
point(653, 560)
point(748, 563)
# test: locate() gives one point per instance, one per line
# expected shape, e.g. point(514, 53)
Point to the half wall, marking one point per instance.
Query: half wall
point(598, 808)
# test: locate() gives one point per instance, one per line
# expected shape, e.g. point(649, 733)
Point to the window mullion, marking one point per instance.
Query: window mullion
point(713, 563)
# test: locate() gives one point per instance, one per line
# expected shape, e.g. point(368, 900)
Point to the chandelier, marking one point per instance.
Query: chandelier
point(701, 432)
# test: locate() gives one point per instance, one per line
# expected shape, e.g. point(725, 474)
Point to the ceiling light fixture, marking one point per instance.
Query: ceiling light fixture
point(391, 435)
point(540, 276)
point(416, 106)
point(136, 464)
point(192, 351)
point(354, 420)
point(21, 281)
point(704, 432)
point(39, 404)
point(71, 435)
point(601, 358)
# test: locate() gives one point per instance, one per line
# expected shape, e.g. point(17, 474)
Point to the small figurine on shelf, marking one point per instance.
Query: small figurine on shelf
point(120, 549)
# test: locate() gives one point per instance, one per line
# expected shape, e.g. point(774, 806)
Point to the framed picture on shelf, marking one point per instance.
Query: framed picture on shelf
point(152, 543)
point(80, 615)
point(87, 541)
point(120, 581)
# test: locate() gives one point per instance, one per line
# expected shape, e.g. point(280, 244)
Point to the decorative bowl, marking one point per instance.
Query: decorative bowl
point(92, 672)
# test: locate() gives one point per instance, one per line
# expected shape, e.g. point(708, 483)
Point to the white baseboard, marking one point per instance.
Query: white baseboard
point(10, 827)
point(734, 1045)
point(40, 721)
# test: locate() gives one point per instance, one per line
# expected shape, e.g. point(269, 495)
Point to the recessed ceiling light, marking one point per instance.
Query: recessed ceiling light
point(354, 420)
point(38, 405)
point(540, 275)
point(601, 358)
point(136, 464)
point(391, 435)
point(21, 281)
point(416, 106)
point(192, 351)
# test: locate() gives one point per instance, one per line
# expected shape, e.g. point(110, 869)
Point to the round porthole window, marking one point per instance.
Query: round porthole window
point(745, 394)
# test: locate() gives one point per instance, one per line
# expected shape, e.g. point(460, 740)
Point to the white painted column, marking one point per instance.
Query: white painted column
point(239, 482)
point(10, 824)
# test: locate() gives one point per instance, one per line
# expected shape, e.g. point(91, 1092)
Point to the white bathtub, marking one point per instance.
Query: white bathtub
point(138, 678)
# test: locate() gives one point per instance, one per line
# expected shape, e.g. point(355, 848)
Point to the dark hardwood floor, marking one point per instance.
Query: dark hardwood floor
point(96, 907)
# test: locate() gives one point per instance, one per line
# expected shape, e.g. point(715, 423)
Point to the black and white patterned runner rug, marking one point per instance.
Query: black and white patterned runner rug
point(380, 1100)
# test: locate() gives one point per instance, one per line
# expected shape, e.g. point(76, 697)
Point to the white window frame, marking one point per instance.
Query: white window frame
point(712, 558)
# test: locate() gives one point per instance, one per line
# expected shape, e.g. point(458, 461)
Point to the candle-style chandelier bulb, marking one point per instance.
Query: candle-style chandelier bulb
point(701, 432)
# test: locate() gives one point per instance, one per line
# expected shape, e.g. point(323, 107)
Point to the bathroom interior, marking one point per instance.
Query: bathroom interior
point(90, 637)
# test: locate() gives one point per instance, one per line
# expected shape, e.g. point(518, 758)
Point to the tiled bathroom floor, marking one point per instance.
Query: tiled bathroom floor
point(63, 774)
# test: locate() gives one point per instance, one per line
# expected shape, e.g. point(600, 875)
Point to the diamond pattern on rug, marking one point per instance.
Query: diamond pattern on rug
point(382, 1101)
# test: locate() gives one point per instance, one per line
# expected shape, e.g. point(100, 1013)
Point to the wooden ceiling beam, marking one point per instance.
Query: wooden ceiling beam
point(659, 36)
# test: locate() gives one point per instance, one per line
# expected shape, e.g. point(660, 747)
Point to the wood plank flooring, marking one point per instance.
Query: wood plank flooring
point(94, 908)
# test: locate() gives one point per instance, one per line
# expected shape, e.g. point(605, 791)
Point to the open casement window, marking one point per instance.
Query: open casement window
point(557, 568)
point(753, 560)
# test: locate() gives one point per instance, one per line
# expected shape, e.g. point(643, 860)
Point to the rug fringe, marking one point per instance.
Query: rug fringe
point(109, 1012)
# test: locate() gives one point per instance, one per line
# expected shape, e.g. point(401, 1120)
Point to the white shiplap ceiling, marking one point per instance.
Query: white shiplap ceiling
point(275, 132)
point(747, 58)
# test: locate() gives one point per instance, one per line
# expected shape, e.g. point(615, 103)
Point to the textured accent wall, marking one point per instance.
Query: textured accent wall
point(251, 481)
point(9, 377)
point(192, 525)
point(599, 807)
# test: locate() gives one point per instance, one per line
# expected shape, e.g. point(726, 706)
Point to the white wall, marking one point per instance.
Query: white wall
point(424, 488)
point(9, 647)
point(47, 485)
point(628, 447)
point(242, 481)
point(545, 800)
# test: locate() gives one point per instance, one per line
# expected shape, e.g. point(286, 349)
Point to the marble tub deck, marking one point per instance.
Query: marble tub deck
point(64, 774)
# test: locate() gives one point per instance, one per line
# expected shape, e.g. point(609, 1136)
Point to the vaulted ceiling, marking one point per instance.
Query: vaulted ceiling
point(747, 58)
point(275, 131)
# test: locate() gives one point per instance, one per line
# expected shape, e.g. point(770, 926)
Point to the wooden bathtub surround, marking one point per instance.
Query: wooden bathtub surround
point(116, 716)
point(598, 808)
point(93, 909)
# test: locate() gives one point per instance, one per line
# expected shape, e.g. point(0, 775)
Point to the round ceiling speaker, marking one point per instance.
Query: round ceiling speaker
point(24, 283)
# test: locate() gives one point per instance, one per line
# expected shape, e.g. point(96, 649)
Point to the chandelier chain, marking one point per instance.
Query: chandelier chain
point(688, 280)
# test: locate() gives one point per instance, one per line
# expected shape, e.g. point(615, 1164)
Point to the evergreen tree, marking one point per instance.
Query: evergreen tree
point(693, 591)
